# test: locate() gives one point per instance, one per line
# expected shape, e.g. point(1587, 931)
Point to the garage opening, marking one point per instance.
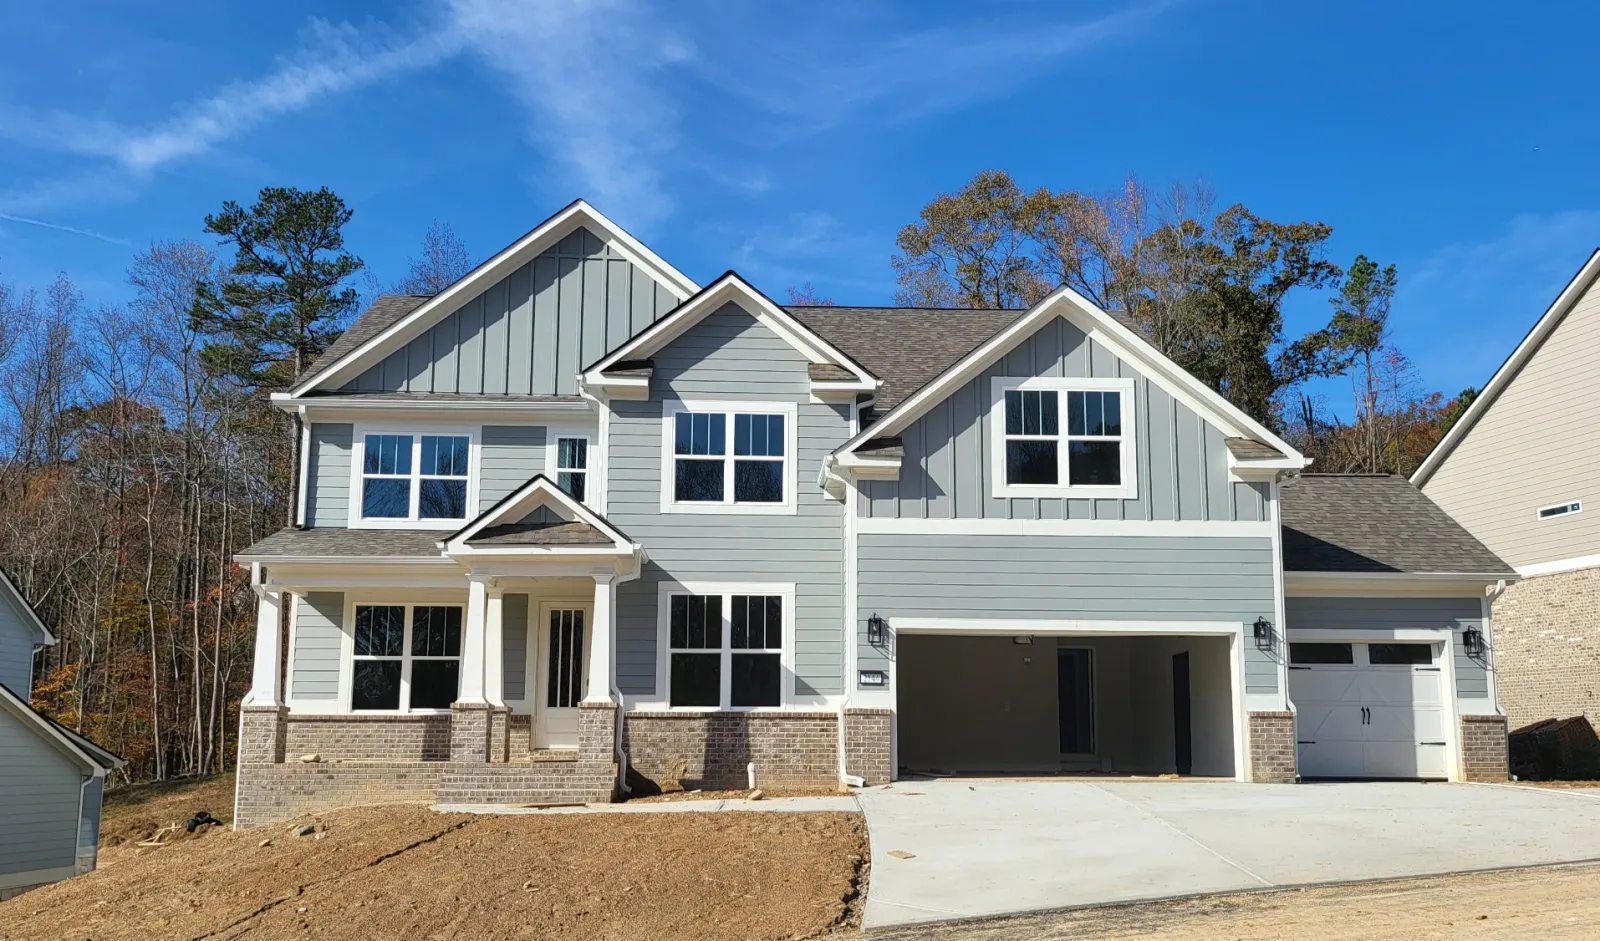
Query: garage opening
point(1047, 705)
point(1369, 710)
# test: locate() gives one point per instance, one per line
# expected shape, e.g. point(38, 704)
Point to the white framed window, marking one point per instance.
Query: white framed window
point(720, 457)
point(572, 466)
point(725, 647)
point(1561, 509)
point(406, 657)
point(412, 478)
point(1059, 437)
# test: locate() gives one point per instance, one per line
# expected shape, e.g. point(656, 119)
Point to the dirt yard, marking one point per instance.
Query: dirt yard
point(1521, 905)
point(406, 872)
point(135, 813)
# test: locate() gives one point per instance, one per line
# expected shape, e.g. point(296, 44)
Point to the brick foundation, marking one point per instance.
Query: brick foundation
point(1272, 748)
point(499, 735)
point(1546, 641)
point(792, 749)
point(469, 733)
point(369, 737)
point(868, 748)
point(262, 734)
point(274, 792)
point(1483, 748)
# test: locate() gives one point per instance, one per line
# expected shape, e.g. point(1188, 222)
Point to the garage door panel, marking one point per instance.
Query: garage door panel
point(1359, 720)
point(1330, 721)
point(1401, 686)
point(1330, 759)
point(1327, 684)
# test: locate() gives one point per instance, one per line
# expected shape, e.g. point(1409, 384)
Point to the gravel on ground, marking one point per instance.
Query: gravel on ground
point(1547, 904)
point(406, 872)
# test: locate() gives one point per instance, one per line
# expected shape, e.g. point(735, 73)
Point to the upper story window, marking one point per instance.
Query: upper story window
point(420, 478)
point(572, 466)
point(728, 459)
point(1053, 437)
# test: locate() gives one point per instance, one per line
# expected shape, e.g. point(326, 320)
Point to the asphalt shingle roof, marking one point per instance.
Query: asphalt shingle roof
point(541, 534)
point(333, 542)
point(1375, 523)
point(382, 314)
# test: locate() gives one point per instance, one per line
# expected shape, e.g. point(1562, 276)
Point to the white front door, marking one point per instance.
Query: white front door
point(560, 669)
point(1369, 710)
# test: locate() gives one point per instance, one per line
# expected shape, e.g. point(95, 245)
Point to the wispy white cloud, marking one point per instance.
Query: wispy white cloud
point(1484, 295)
point(65, 228)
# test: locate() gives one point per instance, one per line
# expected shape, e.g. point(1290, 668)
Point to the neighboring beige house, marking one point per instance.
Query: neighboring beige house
point(1521, 471)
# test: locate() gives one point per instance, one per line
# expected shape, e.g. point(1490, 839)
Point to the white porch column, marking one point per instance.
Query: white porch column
point(494, 646)
point(474, 641)
point(266, 687)
point(602, 632)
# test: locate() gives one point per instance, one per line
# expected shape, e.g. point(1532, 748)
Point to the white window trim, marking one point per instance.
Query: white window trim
point(664, 593)
point(1539, 513)
point(1000, 385)
point(348, 656)
point(358, 453)
point(790, 412)
point(552, 459)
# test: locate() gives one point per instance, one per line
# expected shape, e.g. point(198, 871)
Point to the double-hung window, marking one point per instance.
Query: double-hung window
point(407, 657)
point(420, 478)
point(728, 459)
point(725, 648)
point(572, 467)
point(1063, 437)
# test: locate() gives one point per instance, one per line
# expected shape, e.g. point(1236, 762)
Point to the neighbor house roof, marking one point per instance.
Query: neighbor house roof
point(1374, 523)
point(64, 738)
point(1513, 365)
point(30, 617)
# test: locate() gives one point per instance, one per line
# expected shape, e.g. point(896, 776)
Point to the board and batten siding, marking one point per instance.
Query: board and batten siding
point(17, 637)
point(1357, 614)
point(511, 455)
point(317, 648)
point(40, 787)
point(1536, 445)
point(1104, 578)
point(533, 331)
point(1182, 460)
point(729, 356)
point(328, 474)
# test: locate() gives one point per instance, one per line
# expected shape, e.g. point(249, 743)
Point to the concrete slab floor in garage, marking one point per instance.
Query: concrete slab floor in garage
point(995, 846)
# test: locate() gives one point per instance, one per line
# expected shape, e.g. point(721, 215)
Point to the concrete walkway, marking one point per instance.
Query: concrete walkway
point(989, 847)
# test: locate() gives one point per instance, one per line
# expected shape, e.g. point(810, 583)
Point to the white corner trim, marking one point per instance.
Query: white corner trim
point(1003, 626)
point(1524, 351)
point(730, 288)
point(1047, 527)
point(671, 408)
point(1559, 565)
point(1128, 440)
point(541, 237)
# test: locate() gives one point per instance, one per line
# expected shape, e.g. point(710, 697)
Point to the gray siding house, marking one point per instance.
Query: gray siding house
point(577, 525)
point(51, 778)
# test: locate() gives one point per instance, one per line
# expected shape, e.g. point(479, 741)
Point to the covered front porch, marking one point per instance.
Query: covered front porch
point(477, 672)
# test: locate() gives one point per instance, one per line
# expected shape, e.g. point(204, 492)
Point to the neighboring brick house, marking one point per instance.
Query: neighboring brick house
point(577, 522)
point(1521, 471)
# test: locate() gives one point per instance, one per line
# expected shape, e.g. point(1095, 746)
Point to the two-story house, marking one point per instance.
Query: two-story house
point(577, 523)
point(51, 778)
point(1521, 470)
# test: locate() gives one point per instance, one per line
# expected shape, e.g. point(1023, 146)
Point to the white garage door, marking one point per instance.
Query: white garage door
point(1369, 710)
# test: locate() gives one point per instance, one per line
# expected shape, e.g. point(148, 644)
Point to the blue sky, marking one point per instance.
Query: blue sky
point(791, 141)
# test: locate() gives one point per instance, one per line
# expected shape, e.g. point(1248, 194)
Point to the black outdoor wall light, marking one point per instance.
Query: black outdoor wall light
point(876, 630)
point(1472, 640)
point(1263, 633)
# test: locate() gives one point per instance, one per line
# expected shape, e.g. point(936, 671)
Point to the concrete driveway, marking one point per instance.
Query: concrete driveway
point(989, 847)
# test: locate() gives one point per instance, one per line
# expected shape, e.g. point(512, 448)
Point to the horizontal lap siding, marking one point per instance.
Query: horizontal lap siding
point(730, 357)
point(533, 331)
point(514, 644)
point(328, 480)
point(39, 793)
point(1182, 462)
point(1114, 578)
point(318, 645)
point(511, 456)
point(1457, 614)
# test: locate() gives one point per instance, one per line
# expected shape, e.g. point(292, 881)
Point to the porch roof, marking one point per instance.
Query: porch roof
point(551, 533)
point(329, 541)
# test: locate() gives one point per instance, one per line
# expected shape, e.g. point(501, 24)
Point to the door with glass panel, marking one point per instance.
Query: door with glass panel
point(561, 669)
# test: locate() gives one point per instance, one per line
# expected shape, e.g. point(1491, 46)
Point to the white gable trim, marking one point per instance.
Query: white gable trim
point(1103, 329)
point(732, 288)
point(29, 616)
point(547, 234)
point(540, 491)
point(1509, 370)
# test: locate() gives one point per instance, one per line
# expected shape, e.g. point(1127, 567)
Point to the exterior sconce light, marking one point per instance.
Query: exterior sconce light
point(877, 630)
point(1263, 629)
point(1472, 640)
